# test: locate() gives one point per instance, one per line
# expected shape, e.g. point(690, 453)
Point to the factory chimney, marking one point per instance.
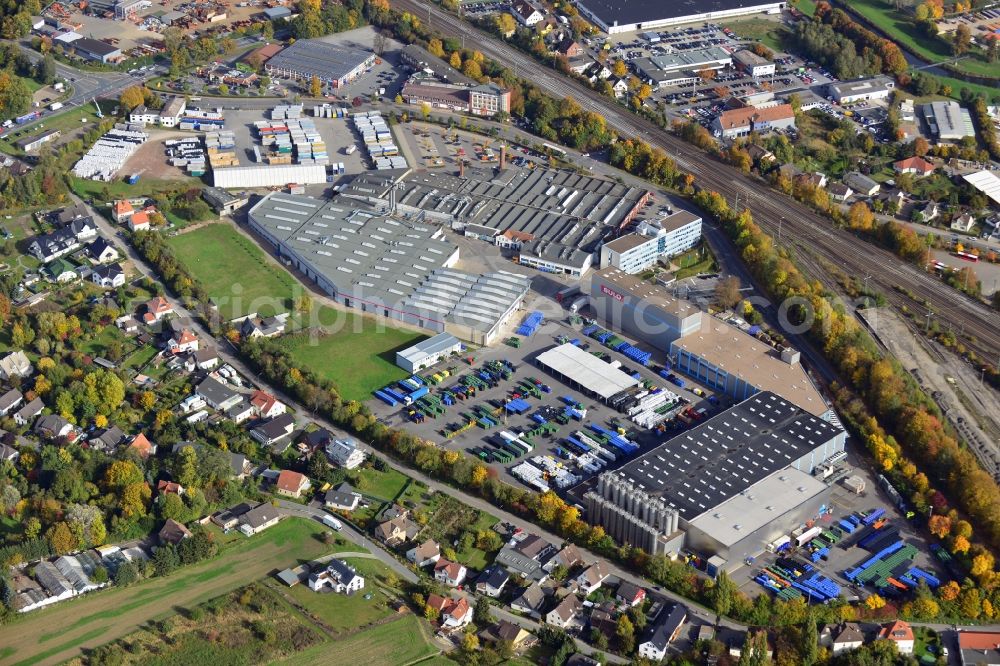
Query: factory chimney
point(503, 156)
point(461, 168)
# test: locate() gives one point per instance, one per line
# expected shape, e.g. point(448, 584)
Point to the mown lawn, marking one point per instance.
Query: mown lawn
point(356, 353)
point(384, 485)
point(769, 33)
point(119, 188)
point(341, 612)
point(239, 278)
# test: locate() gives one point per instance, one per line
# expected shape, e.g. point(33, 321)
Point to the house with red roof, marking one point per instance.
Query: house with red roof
point(915, 165)
point(183, 342)
point(122, 210)
point(450, 573)
point(453, 613)
point(291, 484)
point(156, 309)
point(164, 487)
point(979, 647)
point(139, 221)
point(265, 405)
point(141, 444)
point(901, 634)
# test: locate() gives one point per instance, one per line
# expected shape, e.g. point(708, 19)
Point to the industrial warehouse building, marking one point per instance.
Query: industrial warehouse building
point(552, 220)
point(948, 121)
point(724, 358)
point(585, 371)
point(617, 16)
point(427, 352)
point(652, 242)
point(387, 263)
point(861, 90)
point(268, 175)
point(333, 64)
point(660, 71)
point(727, 487)
point(645, 311)
point(482, 100)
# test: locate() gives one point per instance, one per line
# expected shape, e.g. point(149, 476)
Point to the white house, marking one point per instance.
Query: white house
point(266, 406)
point(345, 452)
point(108, 277)
point(451, 574)
point(847, 636)
point(339, 577)
point(565, 613)
point(526, 13)
point(426, 553)
point(15, 364)
point(592, 577)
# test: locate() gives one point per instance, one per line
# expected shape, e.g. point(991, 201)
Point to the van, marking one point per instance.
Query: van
point(330, 521)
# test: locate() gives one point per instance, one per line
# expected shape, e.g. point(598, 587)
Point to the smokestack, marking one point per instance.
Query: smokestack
point(503, 156)
point(461, 168)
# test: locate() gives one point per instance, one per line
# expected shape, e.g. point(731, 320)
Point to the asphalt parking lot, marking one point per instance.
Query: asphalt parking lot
point(549, 403)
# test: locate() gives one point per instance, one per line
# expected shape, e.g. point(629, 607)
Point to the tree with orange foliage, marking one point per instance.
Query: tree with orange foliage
point(959, 545)
point(939, 526)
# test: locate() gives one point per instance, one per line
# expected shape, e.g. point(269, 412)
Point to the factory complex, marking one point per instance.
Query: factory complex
point(334, 65)
point(729, 486)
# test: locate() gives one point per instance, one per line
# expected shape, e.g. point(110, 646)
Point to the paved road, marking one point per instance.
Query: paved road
point(351, 534)
point(86, 84)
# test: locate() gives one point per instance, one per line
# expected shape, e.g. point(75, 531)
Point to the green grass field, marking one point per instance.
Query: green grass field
point(356, 353)
point(340, 612)
point(401, 642)
point(384, 485)
point(67, 121)
point(900, 28)
point(769, 33)
point(146, 187)
point(237, 275)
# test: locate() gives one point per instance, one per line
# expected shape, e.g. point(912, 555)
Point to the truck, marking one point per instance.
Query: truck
point(55, 106)
point(579, 304)
point(330, 521)
point(350, 149)
point(565, 293)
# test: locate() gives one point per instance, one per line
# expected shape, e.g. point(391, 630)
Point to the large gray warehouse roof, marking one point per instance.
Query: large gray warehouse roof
point(727, 454)
point(328, 61)
point(358, 249)
point(429, 347)
point(586, 370)
point(625, 12)
point(477, 301)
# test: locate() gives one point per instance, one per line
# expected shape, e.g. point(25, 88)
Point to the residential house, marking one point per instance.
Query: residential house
point(619, 86)
point(569, 48)
point(630, 594)
point(156, 309)
point(240, 412)
point(978, 647)
point(183, 342)
point(259, 518)
point(453, 613)
point(218, 395)
point(339, 576)
point(901, 634)
point(230, 518)
point(530, 602)
point(139, 221)
point(291, 484)
point(451, 574)
point(565, 613)
point(345, 452)
point(15, 364)
point(165, 487)
point(396, 530)
point(106, 439)
point(592, 577)
point(527, 557)
point(142, 445)
point(662, 633)
point(274, 430)
point(745, 120)
point(173, 533)
point(847, 636)
point(861, 184)
point(27, 414)
point(53, 426)
point(108, 277)
point(492, 581)
point(426, 553)
point(817, 179)
point(239, 466)
point(203, 358)
point(51, 246)
point(915, 165)
point(10, 400)
point(101, 251)
point(567, 558)
point(927, 213)
point(342, 498)
point(839, 192)
point(8, 453)
point(62, 271)
point(760, 155)
point(963, 222)
point(121, 210)
point(507, 632)
point(127, 324)
point(526, 13)
point(267, 327)
point(266, 406)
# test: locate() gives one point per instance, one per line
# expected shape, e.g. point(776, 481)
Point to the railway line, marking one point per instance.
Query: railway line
point(770, 209)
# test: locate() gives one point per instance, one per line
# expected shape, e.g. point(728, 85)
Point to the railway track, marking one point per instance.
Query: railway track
point(770, 209)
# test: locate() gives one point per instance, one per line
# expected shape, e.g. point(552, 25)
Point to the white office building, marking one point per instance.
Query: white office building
point(345, 452)
point(635, 252)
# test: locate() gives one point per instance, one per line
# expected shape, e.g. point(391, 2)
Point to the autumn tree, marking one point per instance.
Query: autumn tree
point(859, 217)
point(435, 48)
point(62, 539)
point(962, 40)
point(132, 97)
point(505, 24)
point(456, 60)
point(315, 86)
point(619, 69)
